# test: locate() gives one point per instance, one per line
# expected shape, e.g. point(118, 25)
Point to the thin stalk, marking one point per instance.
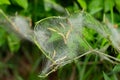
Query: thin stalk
point(106, 55)
point(8, 19)
point(44, 52)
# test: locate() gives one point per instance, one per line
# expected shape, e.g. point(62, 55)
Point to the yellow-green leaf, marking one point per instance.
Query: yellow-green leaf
point(108, 5)
point(4, 2)
point(22, 3)
point(83, 4)
point(117, 2)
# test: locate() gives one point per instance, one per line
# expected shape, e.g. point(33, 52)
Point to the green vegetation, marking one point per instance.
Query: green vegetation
point(59, 40)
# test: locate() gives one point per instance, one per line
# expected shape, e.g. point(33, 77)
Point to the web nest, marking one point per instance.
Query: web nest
point(65, 39)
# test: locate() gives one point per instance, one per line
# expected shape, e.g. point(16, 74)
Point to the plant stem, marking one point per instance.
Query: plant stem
point(44, 52)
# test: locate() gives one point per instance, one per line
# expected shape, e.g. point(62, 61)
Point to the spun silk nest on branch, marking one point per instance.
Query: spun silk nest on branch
point(63, 39)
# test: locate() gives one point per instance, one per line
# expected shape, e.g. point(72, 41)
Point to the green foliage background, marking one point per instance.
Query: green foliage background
point(22, 60)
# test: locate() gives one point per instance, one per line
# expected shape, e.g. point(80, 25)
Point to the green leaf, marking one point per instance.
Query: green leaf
point(116, 68)
point(108, 5)
point(118, 56)
point(22, 3)
point(95, 6)
point(54, 37)
point(104, 41)
point(83, 4)
point(106, 77)
point(2, 37)
point(117, 2)
point(13, 43)
point(4, 2)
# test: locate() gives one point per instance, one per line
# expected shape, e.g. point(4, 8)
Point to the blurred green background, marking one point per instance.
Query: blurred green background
point(20, 59)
